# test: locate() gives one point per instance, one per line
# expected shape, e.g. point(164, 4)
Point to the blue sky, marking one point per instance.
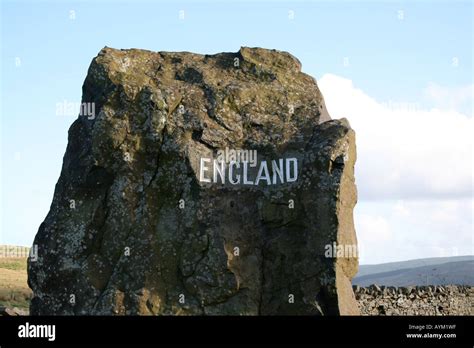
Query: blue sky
point(414, 52)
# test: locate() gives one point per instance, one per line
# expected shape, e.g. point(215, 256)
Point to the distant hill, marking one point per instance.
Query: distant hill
point(433, 271)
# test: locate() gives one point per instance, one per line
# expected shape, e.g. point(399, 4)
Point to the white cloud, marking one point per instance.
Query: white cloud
point(413, 173)
point(400, 209)
point(402, 230)
point(373, 233)
point(450, 98)
point(404, 152)
point(373, 228)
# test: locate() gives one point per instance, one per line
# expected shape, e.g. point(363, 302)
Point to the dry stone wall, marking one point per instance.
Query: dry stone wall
point(415, 300)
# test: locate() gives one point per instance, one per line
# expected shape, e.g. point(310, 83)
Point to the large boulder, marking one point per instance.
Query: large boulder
point(155, 213)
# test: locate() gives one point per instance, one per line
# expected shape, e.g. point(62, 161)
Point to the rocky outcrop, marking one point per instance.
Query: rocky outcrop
point(152, 214)
point(12, 312)
point(416, 300)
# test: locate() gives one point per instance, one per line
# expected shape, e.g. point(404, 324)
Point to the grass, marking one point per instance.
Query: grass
point(16, 264)
point(14, 290)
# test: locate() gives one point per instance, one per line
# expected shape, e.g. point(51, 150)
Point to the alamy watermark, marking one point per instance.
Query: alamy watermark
point(28, 330)
point(335, 250)
point(67, 108)
point(401, 106)
point(13, 251)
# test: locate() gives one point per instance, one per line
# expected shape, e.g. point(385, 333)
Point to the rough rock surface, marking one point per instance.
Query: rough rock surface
point(133, 229)
point(416, 300)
